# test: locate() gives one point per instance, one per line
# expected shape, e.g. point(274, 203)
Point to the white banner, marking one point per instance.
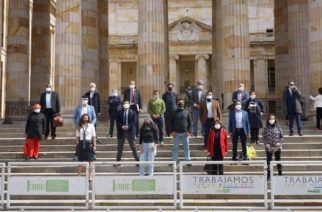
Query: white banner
point(297, 185)
point(128, 185)
point(223, 184)
point(37, 185)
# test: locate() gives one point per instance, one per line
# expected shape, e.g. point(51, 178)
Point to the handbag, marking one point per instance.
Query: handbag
point(58, 120)
point(208, 167)
point(251, 152)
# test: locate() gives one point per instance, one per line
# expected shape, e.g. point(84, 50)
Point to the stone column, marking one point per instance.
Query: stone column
point(281, 45)
point(234, 41)
point(173, 71)
point(151, 47)
point(17, 80)
point(298, 52)
point(201, 72)
point(315, 46)
point(68, 53)
point(114, 76)
point(40, 49)
point(260, 77)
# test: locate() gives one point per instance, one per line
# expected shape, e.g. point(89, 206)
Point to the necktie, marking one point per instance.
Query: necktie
point(125, 117)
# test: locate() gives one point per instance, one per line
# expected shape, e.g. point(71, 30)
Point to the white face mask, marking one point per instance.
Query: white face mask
point(48, 89)
point(92, 89)
point(238, 107)
point(241, 88)
point(217, 126)
point(37, 110)
point(209, 97)
point(200, 87)
point(252, 96)
point(114, 94)
point(156, 97)
point(126, 106)
point(131, 86)
point(84, 102)
point(271, 121)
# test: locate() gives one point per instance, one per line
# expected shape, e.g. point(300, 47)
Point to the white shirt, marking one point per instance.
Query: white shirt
point(209, 109)
point(317, 100)
point(48, 100)
point(84, 110)
point(239, 119)
point(91, 94)
point(199, 95)
point(89, 132)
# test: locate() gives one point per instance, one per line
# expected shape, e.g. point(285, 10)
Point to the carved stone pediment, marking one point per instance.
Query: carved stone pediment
point(189, 29)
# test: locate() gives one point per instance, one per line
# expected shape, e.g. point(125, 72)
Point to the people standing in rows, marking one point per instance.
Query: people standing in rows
point(94, 100)
point(240, 95)
point(114, 105)
point(255, 110)
point(209, 112)
point(80, 110)
point(273, 138)
point(292, 107)
point(156, 109)
point(86, 143)
point(170, 100)
point(318, 106)
point(126, 121)
point(50, 105)
point(198, 95)
point(148, 145)
point(132, 95)
point(181, 129)
point(239, 129)
point(217, 146)
point(35, 131)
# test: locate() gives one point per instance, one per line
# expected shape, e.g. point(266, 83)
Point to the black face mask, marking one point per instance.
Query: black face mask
point(208, 100)
point(180, 106)
point(170, 89)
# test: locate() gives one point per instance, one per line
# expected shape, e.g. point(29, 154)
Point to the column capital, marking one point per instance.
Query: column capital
point(174, 56)
point(200, 56)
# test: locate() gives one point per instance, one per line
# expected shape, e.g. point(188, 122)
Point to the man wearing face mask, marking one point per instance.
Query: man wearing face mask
point(156, 109)
point(126, 130)
point(35, 131)
point(239, 128)
point(181, 128)
point(198, 95)
point(240, 95)
point(114, 105)
point(50, 105)
point(292, 107)
point(170, 100)
point(133, 96)
point(94, 98)
point(209, 112)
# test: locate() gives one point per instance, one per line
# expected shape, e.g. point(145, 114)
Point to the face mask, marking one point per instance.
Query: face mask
point(200, 87)
point(84, 102)
point(48, 89)
point(92, 89)
point(209, 97)
point(170, 88)
point(252, 96)
point(241, 88)
point(156, 97)
point(238, 107)
point(217, 126)
point(131, 86)
point(114, 94)
point(126, 106)
point(271, 121)
point(37, 110)
point(180, 105)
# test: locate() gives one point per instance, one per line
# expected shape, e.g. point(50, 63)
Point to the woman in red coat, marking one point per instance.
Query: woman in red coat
point(217, 146)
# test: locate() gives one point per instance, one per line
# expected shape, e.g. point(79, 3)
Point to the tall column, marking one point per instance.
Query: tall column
point(40, 49)
point(234, 41)
point(17, 85)
point(298, 52)
point(281, 45)
point(173, 71)
point(151, 47)
point(68, 53)
point(260, 77)
point(201, 72)
point(114, 76)
point(214, 78)
point(315, 45)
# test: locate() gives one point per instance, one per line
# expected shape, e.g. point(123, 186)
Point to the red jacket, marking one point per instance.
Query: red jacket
point(223, 142)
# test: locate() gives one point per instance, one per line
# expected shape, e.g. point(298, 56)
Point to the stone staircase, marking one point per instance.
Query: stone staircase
point(306, 148)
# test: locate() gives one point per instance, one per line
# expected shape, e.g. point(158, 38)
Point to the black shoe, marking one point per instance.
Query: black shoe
point(116, 165)
point(300, 134)
point(110, 135)
point(27, 158)
point(53, 137)
point(234, 159)
point(291, 134)
point(189, 164)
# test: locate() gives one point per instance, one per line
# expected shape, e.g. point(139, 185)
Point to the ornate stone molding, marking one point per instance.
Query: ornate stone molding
point(202, 56)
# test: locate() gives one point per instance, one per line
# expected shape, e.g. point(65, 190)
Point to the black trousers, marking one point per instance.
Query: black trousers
point(49, 114)
point(218, 168)
point(112, 122)
point(318, 117)
point(137, 113)
point(239, 133)
point(269, 157)
point(254, 134)
point(167, 119)
point(120, 146)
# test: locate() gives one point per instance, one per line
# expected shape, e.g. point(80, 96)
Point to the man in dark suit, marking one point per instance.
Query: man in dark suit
point(94, 98)
point(240, 95)
point(50, 105)
point(198, 96)
point(125, 121)
point(133, 96)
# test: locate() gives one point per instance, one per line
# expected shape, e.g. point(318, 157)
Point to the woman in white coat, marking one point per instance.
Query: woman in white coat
point(318, 106)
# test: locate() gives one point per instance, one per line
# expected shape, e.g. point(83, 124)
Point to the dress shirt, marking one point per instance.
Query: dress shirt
point(48, 100)
point(209, 109)
point(84, 110)
point(239, 119)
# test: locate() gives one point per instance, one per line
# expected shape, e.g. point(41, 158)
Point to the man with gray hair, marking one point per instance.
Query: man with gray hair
point(198, 95)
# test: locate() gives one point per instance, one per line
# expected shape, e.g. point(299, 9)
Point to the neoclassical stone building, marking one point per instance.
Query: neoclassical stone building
point(70, 43)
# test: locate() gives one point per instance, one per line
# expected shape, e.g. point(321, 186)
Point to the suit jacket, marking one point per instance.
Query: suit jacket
point(55, 103)
point(137, 97)
point(95, 101)
point(245, 97)
point(90, 111)
point(203, 114)
point(131, 124)
point(232, 122)
point(36, 125)
point(292, 103)
point(195, 98)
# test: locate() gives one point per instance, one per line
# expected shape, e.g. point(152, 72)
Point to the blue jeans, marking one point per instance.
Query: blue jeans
point(180, 137)
point(159, 123)
point(147, 155)
point(297, 117)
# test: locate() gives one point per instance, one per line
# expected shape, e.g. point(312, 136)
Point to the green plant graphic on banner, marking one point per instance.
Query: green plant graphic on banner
point(137, 185)
point(48, 186)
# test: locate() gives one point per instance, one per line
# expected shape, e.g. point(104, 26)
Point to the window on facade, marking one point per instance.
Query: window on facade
point(269, 32)
point(271, 76)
